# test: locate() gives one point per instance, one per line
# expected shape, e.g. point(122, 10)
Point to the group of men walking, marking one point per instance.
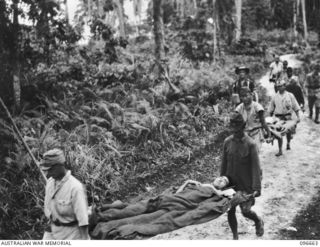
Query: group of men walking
point(66, 204)
point(240, 162)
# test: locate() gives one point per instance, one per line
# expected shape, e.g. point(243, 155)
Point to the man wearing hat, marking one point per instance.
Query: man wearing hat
point(240, 163)
point(282, 105)
point(313, 91)
point(253, 114)
point(65, 202)
point(243, 81)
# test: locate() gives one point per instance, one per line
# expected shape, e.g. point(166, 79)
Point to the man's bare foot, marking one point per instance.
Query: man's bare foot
point(235, 237)
point(288, 147)
point(260, 228)
point(278, 154)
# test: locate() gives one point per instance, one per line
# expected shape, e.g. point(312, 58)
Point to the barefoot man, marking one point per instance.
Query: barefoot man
point(240, 163)
point(282, 105)
point(253, 114)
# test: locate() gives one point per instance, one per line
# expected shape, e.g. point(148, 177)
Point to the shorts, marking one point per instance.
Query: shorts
point(240, 199)
point(247, 205)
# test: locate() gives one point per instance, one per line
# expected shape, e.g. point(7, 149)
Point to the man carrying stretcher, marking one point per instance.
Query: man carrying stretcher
point(240, 163)
point(282, 106)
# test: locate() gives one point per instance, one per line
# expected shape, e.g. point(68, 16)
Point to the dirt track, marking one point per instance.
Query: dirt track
point(289, 182)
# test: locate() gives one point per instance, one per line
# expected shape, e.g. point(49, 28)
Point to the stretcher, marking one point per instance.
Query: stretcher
point(279, 128)
point(164, 213)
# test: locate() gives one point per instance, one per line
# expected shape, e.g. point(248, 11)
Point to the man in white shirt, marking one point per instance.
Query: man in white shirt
point(276, 69)
point(253, 114)
point(282, 105)
point(65, 202)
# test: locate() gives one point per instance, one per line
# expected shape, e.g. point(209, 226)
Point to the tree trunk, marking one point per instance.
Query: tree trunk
point(295, 17)
point(298, 8)
point(98, 8)
point(195, 7)
point(16, 56)
point(181, 8)
point(158, 34)
point(121, 18)
point(305, 28)
point(238, 4)
point(66, 10)
point(215, 52)
point(137, 5)
point(89, 9)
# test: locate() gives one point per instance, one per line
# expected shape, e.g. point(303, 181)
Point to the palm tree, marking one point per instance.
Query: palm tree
point(215, 23)
point(137, 6)
point(295, 17)
point(119, 4)
point(238, 4)
point(66, 11)
point(158, 34)
point(305, 27)
point(16, 54)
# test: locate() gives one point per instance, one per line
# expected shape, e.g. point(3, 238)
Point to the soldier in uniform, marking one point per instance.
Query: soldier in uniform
point(65, 203)
point(313, 92)
point(243, 81)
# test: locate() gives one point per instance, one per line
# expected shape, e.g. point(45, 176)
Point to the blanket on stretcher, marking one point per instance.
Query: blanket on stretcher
point(279, 127)
point(164, 213)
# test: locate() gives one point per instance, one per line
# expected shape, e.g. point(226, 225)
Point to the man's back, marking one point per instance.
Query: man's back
point(297, 92)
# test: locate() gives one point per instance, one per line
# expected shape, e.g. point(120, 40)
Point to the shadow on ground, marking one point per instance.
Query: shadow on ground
point(306, 224)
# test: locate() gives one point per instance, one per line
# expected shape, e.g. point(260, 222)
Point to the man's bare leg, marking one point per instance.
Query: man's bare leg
point(232, 219)
point(280, 141)
point(250, 214)
point(288, 141)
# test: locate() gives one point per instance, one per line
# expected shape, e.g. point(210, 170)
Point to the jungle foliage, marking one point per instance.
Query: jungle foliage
point(126, 131)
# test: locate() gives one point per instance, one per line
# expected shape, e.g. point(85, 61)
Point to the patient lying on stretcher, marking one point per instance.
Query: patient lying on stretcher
point(218, 187)
point(192, 203)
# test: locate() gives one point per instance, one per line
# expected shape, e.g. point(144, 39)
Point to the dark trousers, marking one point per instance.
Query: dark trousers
point(311, 103)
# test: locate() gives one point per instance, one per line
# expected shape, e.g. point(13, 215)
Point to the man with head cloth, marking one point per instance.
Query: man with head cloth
point(65, 200)
point(240, 163)
point(282, 105)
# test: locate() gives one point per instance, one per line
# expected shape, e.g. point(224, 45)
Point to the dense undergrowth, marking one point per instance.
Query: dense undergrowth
point(125, 132)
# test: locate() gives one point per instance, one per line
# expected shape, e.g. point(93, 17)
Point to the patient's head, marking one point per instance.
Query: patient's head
point(221, 182)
